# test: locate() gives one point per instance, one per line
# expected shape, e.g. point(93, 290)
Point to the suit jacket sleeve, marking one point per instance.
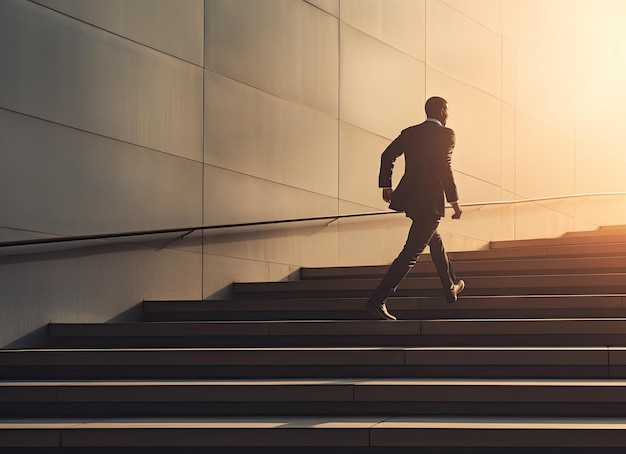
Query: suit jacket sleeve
point(446, 177)
point(387, 159)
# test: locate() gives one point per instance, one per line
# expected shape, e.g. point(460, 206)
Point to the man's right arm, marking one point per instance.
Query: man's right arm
point(387, 159)
point(457, 210)
point(387, 193)
point(446, 175)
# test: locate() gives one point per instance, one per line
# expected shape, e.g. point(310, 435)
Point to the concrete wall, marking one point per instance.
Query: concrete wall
point(120, 115)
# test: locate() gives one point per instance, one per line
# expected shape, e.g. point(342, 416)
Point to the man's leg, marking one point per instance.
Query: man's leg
point(451, 285)
point(442, 263)
point(419, 236)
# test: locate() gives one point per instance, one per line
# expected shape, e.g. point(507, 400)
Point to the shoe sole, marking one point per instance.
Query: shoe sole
point(376, 311)
point(450, 301)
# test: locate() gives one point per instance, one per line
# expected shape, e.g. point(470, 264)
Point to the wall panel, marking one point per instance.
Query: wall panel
point(90, 284)
point(372, 241)
point(509, 72)
point(252, 132)
point(533, 220)
point(99, 83)
point(285, 47)
point(481, 223)
point(543, 159)
point(226, 270)
point(597, 171)
point(485, 12)
point(508, 148)
point(175, 28)
point(382, 89)
point(475, 117)
point(359, 164)
point(543, 91)
point(59, 180)
point(462, 48)
point(309, 243)
point(600, 211)
point(399, 23)
point(330, 6)
point(232, 197)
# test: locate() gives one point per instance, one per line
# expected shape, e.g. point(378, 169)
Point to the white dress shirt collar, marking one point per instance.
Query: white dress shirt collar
point(434, 120)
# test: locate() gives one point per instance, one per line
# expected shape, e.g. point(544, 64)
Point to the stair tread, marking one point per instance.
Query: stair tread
point(424, 266)
point(614, 237)
point(310, 389)
point(398, 302)
point(582, 249)
point(314, 356)
point(321, 382)
point(478, 285)
point(529, 361)
point(354, 431)
point(324, 327)
point(288, 422)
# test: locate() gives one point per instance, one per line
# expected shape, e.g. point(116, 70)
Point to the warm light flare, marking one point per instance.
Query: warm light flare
point(598, 69)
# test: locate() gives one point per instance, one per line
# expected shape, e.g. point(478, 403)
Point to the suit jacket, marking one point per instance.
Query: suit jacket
point(427, 149)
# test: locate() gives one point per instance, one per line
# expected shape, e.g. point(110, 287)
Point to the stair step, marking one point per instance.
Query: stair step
point(532, 358)
point(418, 308)
point(601, 231)
point(611, 227)
point(364, 362)
point(607, 283)
point(567, 240)
point(496, 267)
point(550, 248)
point(256, 397)
point(463, 332)
point(311, 434)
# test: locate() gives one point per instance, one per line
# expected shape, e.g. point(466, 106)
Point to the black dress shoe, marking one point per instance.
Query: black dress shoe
point(379, 309)
point(452, 294)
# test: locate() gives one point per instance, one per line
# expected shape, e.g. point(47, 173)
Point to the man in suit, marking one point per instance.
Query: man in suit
point(427, 149)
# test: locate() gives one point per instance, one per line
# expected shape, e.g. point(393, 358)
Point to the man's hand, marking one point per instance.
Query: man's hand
point(457, 211)
point(387, 194)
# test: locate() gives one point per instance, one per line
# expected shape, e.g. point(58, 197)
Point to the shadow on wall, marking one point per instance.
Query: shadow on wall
point(103, 281)
point(91, 281)
point(35, 339)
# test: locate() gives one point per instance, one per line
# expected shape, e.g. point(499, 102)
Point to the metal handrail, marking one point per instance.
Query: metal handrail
point(189, 230)
point(186, 230)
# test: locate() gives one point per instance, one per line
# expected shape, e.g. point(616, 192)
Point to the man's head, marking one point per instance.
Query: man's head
point(437, 107)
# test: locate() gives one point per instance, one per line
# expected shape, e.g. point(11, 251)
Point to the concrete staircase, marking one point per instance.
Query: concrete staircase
point(532, 358)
